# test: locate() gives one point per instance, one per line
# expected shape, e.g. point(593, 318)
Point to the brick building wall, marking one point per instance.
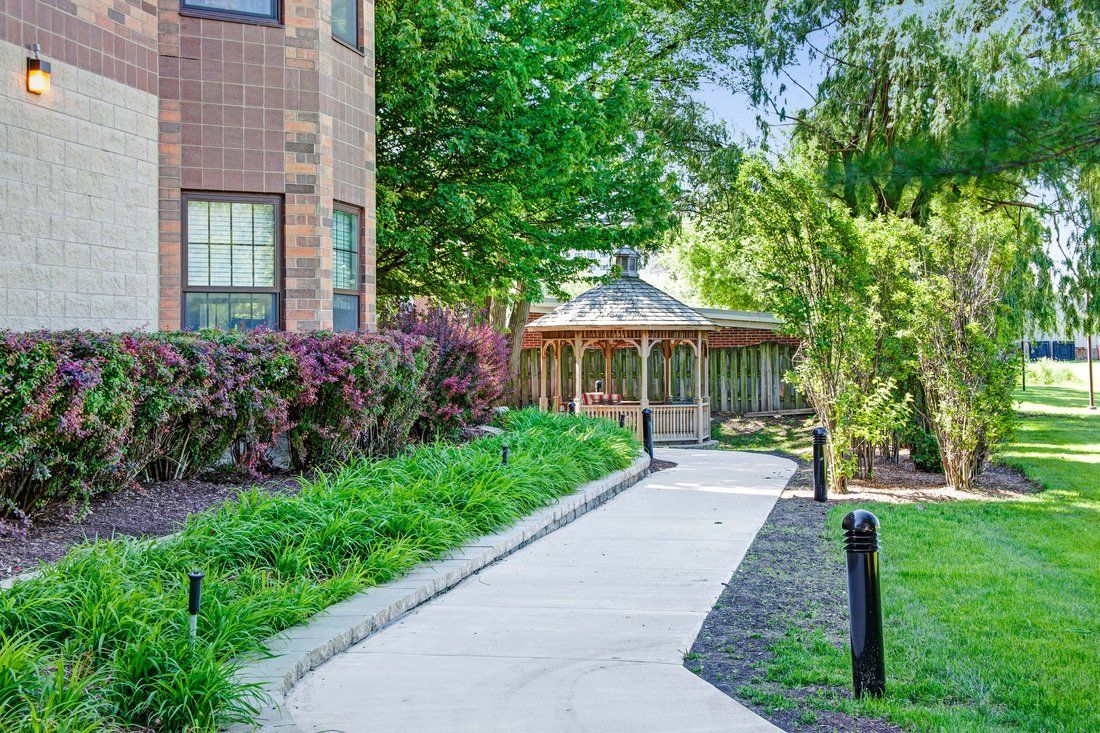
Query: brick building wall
point(152, 104)
point(260, 109)
point(725, 337)
point(735, 336)
point(78, 176)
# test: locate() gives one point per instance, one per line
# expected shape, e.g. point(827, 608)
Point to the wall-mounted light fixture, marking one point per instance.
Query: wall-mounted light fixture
point(38, 73)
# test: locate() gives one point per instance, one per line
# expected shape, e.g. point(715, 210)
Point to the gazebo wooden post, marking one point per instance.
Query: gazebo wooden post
point(699, 386)
point(578, 373)
point(666, 350)
point(543, 401)
point(555, 376)
point(608, 352)
point(643, 396)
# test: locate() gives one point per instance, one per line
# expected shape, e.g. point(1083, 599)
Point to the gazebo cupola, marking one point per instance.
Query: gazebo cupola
point(625, 346)
point(626, 259)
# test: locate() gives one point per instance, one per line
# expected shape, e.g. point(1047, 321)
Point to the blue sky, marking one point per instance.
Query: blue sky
point(735, 109)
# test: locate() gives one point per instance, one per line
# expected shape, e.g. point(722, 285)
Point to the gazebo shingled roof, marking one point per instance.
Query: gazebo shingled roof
point(628, 302)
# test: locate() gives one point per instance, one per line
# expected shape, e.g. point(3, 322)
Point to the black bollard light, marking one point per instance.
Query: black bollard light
point(622, 419)
point(647, 431)
point(504, 455)
point(821, 491)
point(572, 408)
point(194, 600)
point(864, 603)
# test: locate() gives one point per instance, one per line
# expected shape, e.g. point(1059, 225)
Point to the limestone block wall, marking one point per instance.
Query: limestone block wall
point(78, 200)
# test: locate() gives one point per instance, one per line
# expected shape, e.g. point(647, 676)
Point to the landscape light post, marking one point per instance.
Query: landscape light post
point(622, 419)
point(504, 455)
point(572, 408)
point(821, 492)
point(647, 431)
point(864, 603)
point(194, 600)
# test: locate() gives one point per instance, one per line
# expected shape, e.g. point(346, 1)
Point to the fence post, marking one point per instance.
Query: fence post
point(821, 491)
point(647, 431)
point(864, 603)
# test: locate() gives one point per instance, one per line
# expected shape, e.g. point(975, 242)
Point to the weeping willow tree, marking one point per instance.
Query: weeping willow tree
point(916, 97)
point(943, 115)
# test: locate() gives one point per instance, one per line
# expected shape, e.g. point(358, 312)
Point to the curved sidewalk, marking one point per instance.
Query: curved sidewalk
point(584, 630)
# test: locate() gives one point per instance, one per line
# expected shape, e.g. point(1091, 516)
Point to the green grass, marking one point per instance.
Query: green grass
point(791, 435)
point(992, 609)
point(98, 642)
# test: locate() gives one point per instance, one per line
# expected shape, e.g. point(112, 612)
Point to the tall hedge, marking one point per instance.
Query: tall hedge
point(82, 413)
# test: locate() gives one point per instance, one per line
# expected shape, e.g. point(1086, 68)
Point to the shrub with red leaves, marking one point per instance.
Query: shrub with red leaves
point(470, 377)
point(82, 413)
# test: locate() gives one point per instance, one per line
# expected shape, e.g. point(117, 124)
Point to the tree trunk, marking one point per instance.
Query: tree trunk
point(517, 323)
point(864, 452)
point(498, 312)
point(834, 477)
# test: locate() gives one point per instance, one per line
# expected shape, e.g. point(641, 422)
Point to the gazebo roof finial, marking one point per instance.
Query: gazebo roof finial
point(626, 257)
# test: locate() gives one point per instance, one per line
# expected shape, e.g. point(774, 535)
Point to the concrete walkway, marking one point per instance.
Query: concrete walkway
point(585, 630)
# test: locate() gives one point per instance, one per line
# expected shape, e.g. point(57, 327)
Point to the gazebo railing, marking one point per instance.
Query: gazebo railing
point(632, 413)
point(671, 423)
point(675, 422)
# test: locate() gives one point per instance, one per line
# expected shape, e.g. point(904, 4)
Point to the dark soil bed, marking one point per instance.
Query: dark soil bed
point(789, 573)
point(656, 465)
point(154, 510)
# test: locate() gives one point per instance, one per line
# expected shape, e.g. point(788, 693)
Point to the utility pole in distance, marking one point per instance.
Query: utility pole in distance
point(1023, 362)
point(1088, 348)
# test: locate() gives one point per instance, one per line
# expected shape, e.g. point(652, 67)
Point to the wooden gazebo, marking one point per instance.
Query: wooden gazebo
point(633, 325)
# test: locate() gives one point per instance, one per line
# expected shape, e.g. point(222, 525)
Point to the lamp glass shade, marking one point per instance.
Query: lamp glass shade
point(38, 76)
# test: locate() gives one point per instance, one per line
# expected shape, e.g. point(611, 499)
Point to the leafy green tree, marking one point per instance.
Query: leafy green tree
point(807, 261)
point(513, 134)
point(965, 267)
point(916, 97)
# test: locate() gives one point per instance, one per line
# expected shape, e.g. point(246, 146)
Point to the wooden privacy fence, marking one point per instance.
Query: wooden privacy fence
point(749, 379)
point(743, 379)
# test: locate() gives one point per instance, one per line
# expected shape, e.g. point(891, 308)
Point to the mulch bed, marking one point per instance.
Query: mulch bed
point(791, 572)
point(149, 511)
point(656, 465)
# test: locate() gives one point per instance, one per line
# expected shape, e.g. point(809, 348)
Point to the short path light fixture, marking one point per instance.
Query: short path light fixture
point(194, 601)
point(38, 73)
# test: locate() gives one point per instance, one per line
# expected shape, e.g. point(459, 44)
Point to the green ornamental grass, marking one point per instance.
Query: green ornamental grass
point(99, 640)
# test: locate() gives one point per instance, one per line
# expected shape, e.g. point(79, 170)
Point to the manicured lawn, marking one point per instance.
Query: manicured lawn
point(99, 642)
point(992, 608)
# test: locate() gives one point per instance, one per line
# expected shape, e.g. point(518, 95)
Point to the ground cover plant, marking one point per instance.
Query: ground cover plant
point(99, 640)
point(991, 607)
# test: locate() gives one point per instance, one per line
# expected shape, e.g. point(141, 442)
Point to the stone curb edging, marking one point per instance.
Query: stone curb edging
point(302, 648)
